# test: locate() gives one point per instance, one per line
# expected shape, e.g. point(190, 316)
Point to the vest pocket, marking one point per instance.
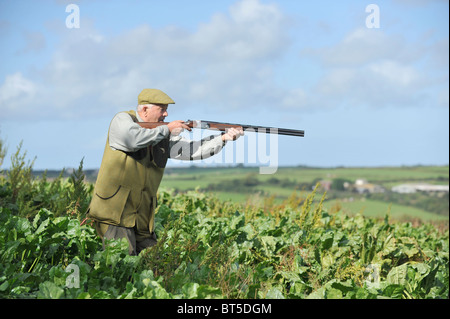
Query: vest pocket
point(108, 196)
point(108, 204)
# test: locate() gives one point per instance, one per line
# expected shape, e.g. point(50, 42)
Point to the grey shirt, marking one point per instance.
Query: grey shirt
point(128, 136)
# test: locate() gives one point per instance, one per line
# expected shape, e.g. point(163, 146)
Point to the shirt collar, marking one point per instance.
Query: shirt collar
point(139, 118)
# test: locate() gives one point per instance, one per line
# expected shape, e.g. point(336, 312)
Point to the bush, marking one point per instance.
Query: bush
point(25, 195)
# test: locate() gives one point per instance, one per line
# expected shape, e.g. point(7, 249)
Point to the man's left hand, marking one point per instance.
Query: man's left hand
point(232, 134)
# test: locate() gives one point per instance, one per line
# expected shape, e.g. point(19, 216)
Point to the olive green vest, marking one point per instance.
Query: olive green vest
point(127, 184)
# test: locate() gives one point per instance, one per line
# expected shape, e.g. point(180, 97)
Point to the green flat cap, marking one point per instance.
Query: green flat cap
point(154, 96)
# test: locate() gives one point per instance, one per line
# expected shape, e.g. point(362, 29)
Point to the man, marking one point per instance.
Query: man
point(124, 200)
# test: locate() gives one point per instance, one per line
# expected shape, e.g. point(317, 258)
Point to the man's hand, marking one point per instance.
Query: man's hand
point(232, 134)
point(176, 127)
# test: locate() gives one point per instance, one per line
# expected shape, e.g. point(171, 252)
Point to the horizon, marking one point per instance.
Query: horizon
point(240, 165)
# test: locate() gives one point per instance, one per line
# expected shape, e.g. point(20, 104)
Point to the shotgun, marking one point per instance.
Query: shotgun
point(218, 126)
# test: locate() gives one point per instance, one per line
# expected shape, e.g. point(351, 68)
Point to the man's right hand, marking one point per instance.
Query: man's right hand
point(176, 127)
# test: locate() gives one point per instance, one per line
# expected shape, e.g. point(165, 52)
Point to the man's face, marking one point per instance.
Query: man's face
point(155, 113)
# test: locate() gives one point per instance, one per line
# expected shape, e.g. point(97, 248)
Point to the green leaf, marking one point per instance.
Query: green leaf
point(4, 286)
point(298, 290)
point(268, 244)
point(327, 260)
point(327, 240)
point(389, 245)
point(237, 221)
point(190, 290)
point(343, 286)
point(274, 293)
point(290, 276)
point(155, 291)
point(397, 275)
point(101, 295)
point(333, 293)
point(42, 227)
point(394, 291)
point(263, 272)
point(49, 290)
point(58, 276)
point(208, 292)
point(317, 294)
point(74, 228)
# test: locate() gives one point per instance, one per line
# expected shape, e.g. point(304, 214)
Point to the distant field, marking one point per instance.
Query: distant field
point(369, 208)
point(372, 208)
point(191, 178)
point(204, 176)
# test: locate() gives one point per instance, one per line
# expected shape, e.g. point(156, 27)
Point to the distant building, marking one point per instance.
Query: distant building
point(362, 186)
point(413, 188)
point(326, 185)
point(368, 188)
point(404, 189)
point(432, 188)
point(361, 182)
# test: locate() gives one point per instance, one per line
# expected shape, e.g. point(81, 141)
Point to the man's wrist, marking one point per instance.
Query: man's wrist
point(224, 141)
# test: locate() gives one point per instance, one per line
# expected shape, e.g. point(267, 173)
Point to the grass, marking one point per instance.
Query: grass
point(189, 178)
point(367, 207)
point(372, 208)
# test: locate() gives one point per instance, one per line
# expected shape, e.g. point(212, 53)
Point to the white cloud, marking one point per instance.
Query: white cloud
point(294, 99)
point(378, 84)
point(370, 67)
point(362, 46)
point(227, 61)
point(230, 61)
point(15, 86)
point(16, 93)
point(394, 73)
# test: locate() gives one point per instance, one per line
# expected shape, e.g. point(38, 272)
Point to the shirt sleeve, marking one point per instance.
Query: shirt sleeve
point(126, 135)
point(184, 149)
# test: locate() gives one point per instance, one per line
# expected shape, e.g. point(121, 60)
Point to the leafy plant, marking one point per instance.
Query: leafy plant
point(210, 249)
point(20, 180)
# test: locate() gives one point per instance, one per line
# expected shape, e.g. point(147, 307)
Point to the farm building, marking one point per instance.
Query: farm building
point(362, 186)
point(413, 188)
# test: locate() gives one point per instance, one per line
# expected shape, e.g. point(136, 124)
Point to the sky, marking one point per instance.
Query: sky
point(368, 81)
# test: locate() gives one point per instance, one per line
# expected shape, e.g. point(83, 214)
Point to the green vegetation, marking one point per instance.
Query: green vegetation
point(25, 195)
point(208, 248)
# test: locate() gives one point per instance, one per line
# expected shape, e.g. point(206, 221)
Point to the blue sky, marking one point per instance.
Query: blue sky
point(364, 96)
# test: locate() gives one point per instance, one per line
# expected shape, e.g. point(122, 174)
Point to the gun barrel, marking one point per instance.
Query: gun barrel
point(254, 128)
point(274, 130)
